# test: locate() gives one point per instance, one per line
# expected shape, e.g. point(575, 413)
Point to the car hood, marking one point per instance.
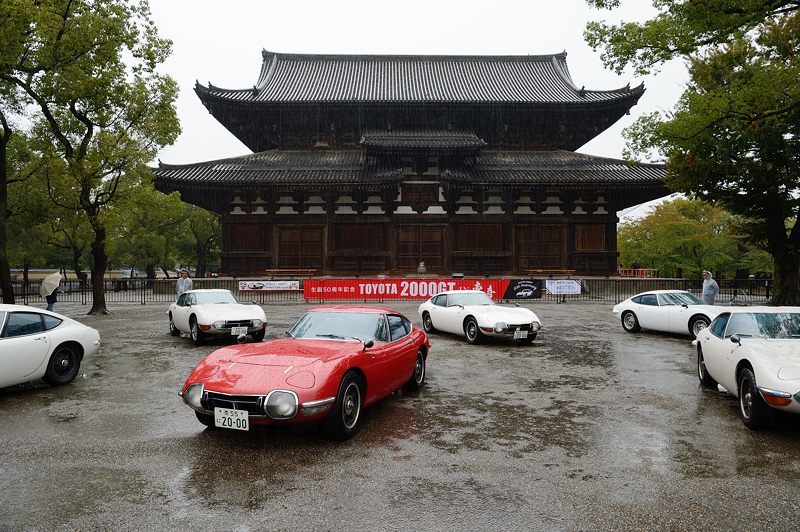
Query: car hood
point(230, 312)
point(781, 352)
point(254, 368)
point(512, 315)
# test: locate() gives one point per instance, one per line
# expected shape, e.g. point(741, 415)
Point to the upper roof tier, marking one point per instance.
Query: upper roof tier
point(510, 102)
point(296, 78)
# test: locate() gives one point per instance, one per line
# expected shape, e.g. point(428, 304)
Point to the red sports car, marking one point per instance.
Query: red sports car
point(334, 362)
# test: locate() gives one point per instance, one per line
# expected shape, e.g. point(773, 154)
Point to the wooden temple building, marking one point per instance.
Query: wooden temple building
point(367, 164)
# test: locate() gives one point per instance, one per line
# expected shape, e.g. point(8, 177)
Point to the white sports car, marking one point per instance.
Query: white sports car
point(674, 311)
point(754, 353)
point(474, 314)
point(206, 313)
point(38, 344)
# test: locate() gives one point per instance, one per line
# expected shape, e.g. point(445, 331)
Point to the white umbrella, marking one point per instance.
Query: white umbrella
point(49, 284)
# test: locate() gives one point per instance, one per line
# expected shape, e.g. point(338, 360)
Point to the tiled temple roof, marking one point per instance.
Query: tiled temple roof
point(421, 138)
point(306, 78)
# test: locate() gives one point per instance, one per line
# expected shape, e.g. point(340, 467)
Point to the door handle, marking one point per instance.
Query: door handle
point(40, 338)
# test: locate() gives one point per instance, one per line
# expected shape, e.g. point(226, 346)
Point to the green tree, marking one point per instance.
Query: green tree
point(733, 139)
point(684, 237)
point(88, 69)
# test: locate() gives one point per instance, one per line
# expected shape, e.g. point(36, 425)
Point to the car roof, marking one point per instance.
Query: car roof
point(663, 292)
point(356, 308)
point(762, 309)
point(209, 290)
point(4, 307)
point(447, 292)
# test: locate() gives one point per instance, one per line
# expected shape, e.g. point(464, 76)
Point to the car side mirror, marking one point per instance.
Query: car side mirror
point(368, 344)
point(684, 305)
point(736, 339)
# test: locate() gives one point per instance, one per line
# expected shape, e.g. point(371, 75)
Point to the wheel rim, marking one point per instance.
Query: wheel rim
point(472, 330)
point(351, 405)
point(171, 325)
point(419, 369)
point(63, 362)
point(701, 366)
point(699, 325)
point(194, 331)
point(428, 322)
point(629, 321)
point(746, 398)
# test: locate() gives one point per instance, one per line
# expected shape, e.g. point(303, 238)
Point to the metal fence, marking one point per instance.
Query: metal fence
point(144, 291)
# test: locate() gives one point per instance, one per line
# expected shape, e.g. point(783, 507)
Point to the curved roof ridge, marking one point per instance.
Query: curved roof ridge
point(255, 156)
point(269, 56)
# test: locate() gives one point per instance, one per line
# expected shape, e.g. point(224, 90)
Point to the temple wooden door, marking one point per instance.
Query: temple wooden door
point(300, 247)
point(540, 246)
point(420, 243)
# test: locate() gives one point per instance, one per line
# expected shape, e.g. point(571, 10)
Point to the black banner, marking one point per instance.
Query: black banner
point(524, 289)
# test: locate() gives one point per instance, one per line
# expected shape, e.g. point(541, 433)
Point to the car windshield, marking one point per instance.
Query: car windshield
point(778, 325)
point(340, 326)
point(469, 298)
point(678, 298)
point(211, 298)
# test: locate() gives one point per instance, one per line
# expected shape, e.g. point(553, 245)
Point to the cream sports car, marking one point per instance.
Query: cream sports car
point(207, 313)
point(674, 311)
point(474, 314)
point(754, 353)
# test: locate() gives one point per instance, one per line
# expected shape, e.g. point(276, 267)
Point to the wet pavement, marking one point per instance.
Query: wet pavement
point(588, 428)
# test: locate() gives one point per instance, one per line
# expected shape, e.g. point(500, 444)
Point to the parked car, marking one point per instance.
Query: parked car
point(474, 314)
point(754, 353)
point(215, 313)
point(334, 362)
point(674, 311)
point(38, 344)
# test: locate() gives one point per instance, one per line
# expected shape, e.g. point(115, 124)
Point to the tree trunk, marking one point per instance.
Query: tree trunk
point(99, 262)
point(5, 269)
point(201, 251)
point(787, 277)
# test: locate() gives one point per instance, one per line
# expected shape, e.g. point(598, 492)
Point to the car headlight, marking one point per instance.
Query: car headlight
point(500, 326)
point(219, 324)
point(535, 326)
point(193, 396)
point(281, 404)
point(256, 323)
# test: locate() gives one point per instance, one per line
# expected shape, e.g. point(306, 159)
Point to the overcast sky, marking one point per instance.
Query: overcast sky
point(221, 42)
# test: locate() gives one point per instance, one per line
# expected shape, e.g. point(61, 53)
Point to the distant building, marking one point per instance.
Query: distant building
point(367, 164)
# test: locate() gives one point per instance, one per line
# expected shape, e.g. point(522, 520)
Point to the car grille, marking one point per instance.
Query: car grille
point(251, 403)
point(237, 323)
point(522, 327)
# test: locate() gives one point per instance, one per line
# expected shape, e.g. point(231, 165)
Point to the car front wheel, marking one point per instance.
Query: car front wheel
point(630, 322)
point(198, 336)
point(697, 324)
point(427, 323)
point(472, 331)
point(258, 336)
point(754, 411)
point(702, 373)
point(63, 366)
point(418, 377)
point(343, 420)
point(172, 329)
point(205, 419)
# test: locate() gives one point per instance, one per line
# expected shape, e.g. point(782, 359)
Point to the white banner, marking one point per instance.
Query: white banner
point(563, 286)
point(268, 286)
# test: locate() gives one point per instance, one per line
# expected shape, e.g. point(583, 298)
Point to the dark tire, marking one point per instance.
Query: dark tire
point(697, 324)
point(630, 322)
point(417, 378)
point(427, 323)
point(702, 374)
point(198, 336)
point(531, 337)
point(174, 331)
point(472, 331)
point(344, 419)
point(754, 411)
point(63, 366)
point(205, 419)
point(258, 336)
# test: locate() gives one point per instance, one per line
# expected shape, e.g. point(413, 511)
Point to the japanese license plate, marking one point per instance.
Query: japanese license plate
point(520, 335)
point(236, 331)
point(229, 418)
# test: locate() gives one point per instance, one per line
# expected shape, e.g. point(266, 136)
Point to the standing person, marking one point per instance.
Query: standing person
point(49, 289)
point(184, 282)
point(51, 299)
point(710, 288)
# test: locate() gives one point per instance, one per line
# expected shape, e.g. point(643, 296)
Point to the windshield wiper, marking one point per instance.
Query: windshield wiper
point(290, 335)
point(339, 336)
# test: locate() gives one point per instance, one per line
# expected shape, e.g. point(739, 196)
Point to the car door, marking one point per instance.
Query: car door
point(439, 312)
point(714, 346)
point(24, 346)
point(378, 366)
point(649, 313)
point(744, 324)
point(455, 315)
point(180, 314)
point(674, 315)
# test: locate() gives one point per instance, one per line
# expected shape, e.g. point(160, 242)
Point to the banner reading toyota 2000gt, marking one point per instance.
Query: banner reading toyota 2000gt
point(381, 289)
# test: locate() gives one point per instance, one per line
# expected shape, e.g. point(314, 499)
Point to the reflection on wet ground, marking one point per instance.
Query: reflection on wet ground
point(588, 427)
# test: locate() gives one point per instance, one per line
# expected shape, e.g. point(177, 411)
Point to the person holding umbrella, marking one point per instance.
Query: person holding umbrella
point(49, 289)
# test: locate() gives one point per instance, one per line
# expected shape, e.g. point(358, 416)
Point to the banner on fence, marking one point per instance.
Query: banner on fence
point(333, 289)
point(524, 289)
point(563, 286)
point(268, 286)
